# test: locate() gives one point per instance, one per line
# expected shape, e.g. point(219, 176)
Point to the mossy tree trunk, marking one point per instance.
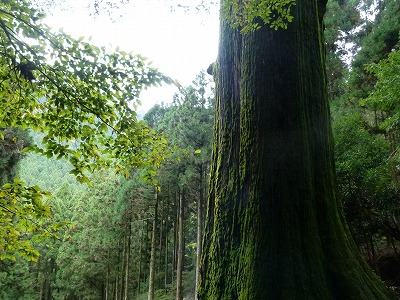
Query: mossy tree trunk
point(275, 227)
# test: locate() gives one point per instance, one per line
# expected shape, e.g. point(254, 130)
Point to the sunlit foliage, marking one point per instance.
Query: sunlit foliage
point(247, 15)
point(82, 97)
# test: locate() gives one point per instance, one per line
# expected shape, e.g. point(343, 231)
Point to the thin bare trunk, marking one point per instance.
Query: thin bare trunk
point(127, 254)
point(200, 213)
point(166, 249)
point(160, 242)
point(393, 246)
point(108, 275)
point(179, 268)
point(175, 244)
point(153, 250)
point(122, 269)
point(140, 260)
point(374, 262)
point(116, 288)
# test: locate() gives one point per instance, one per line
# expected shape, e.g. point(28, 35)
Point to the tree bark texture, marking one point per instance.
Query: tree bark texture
point(275, 227)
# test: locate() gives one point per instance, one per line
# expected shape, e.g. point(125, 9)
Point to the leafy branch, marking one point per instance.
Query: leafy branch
point(249, 15)
point(22, 213)
point(74, 92)
point(82, 98)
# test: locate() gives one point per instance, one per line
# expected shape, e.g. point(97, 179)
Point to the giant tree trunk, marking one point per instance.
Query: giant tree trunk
point(275, 227)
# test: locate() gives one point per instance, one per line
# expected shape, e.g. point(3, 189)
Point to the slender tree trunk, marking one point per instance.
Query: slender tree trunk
point(140, 259)
point(107, 287)
point(179, 267)
point(122, 267)
point(103, 291)
point(200, 221)
point(128, 254)
point(160, 242)
point(119, 267)
point(41, 279)
point(393, 246)
point(153, 250)
point(175, 244)
point(112, 290)
point(44, 278)
point(116, 288)
point(275, 227)
point(373, 261)
point(149, 229)
point(166, 248)
point(368, 247)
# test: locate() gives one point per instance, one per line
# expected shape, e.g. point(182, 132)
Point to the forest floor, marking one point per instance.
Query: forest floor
point(387, 265)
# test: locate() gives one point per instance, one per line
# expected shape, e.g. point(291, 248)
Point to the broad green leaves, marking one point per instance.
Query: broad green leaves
point(81, 97)
point(23, 213)
point(249, 14)
point(385, 96)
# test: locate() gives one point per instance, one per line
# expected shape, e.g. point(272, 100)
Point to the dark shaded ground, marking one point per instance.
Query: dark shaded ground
point(387, 266)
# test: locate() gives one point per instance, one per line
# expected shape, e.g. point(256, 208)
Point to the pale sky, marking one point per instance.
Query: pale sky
point(178, 43)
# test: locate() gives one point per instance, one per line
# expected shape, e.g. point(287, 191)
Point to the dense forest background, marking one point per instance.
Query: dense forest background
point(129, 236)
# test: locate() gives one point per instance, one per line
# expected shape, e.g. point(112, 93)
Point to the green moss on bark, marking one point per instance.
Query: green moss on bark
point(275, 228)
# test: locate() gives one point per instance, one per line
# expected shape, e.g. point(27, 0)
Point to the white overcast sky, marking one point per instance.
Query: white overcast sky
point(178, 43)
